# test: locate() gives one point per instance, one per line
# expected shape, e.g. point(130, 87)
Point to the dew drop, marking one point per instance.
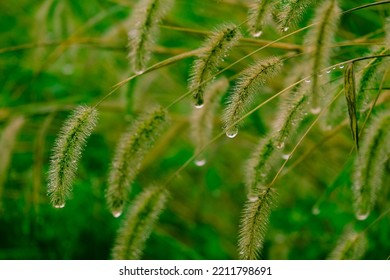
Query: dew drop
point(362, 216)
point(253, 198)
point(257, 33)
point(285, 29)
point(116, 213)
point(232, 132)
point(315, 210)
point(200, 162)
point(341, 66)
point(334, 68)
point(280, 145)
point(139, 71)
point(328, 71)
point(286, 156)
point(307, 80)
point(315, 110)
point(320, 74)
point(59, 205)
point(199, 105)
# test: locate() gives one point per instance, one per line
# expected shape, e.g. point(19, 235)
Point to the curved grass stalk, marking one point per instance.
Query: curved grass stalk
point(138, 223)
point(130, 152)
point(67, 152)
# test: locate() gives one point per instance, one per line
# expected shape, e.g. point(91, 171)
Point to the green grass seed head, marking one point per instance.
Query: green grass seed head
point(67, 152)
point(205, 66)
point(138, 223)
point(130, 152)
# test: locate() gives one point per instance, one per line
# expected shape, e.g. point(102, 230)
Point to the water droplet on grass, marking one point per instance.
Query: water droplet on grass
point(307, 80)
point(199, 106)
point(257, 33)
point(200, 161)
point(286, 156)
point(341, 66)
point(280, 145)
point(116, 213)
point(253, 198)
point(315, 110)
point(285, 29)
point(59, 205)
point(362, 216)
point(315, 210)
point(232, 132)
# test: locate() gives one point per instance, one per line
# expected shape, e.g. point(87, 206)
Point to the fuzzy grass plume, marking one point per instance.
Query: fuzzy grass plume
point(205, 66)
point(130, 152)
point(259, 165)
point(318, 43)
point(249, 84)
point(202, 119)
point(370, 165)
point(260, 13)
point(67, 151)
point(291, 114)
point(367, 79)
point(138, 223)
point(7, 143)
point(350, 246)
point(291, 12)
point(254, 223)
point(144, 26)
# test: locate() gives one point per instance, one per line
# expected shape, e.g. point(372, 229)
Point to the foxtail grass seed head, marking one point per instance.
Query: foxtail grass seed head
point(350, 96)
point(138, 223)
point(144, 28)
point(67, 152)
point(351, 246)
point(7, 143)
point(206, 64)
point(291, 114)
point(249, 83)
point(258, 166)
point(291, 12)
point(368, 79)
point(130, 152)
point(260, 14)
point(202, 120)
point(370, 165)
point(254, 223)
point(318, 44)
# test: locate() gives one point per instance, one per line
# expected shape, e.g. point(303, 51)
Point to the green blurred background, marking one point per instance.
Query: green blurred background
point(57, 54)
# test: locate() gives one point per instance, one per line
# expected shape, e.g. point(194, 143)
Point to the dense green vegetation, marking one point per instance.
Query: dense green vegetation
point(294, 152)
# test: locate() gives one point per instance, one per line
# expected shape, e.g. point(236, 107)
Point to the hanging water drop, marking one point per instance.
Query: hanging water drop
point(200, 161)
point(286, 156)
point(341, 66)
point(285, 29)
point(116, 213)
point(139, 71)
point(315, 110)
point(315, 211)
point(307, 80)
point(257, 33)
point(328, 71)
point(280, 145)
point(232, 132)
point(362, 216)
point(199, 106)
point(59, 205)
point(253, 198)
